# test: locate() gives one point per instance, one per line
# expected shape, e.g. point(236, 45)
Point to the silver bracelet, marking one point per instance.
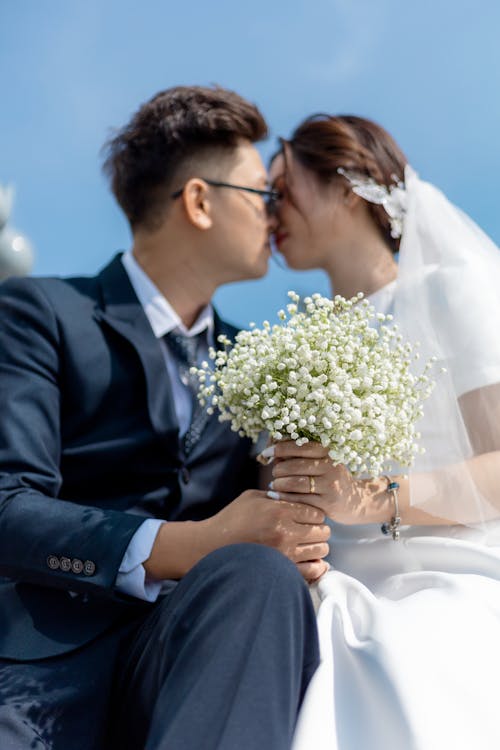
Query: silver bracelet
point(392, 526)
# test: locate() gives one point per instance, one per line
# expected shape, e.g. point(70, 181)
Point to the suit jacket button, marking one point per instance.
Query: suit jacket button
point(88, 568)
point(65, 564)
point(53, 562)
point(76, 566)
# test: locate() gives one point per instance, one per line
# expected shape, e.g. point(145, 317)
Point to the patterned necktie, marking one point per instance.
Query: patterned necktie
point(185, 350)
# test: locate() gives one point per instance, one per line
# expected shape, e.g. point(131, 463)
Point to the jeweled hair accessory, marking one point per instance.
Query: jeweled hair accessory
point(392, 198)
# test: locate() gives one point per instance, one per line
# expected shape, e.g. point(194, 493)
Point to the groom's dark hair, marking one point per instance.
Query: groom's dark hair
point(169, 136)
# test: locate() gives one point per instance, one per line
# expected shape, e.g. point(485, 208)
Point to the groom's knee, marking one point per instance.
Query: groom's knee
point(254, 566)
point(233, 584)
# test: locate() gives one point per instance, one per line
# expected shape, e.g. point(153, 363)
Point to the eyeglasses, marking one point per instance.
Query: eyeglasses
point(270, 196)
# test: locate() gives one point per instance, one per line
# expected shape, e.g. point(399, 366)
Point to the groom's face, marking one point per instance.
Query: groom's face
point(241, 226)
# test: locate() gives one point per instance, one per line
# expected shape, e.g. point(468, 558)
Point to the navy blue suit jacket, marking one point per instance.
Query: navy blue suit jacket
point(88, 432)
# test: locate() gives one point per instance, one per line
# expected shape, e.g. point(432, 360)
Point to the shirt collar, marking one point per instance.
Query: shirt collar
point(160, 313)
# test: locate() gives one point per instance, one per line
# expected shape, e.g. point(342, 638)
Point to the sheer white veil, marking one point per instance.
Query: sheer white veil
point(447, 297)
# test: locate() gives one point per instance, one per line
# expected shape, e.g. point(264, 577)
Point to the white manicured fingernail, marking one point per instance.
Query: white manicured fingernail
point(268, 452)
point(271, 485)
point(273, 495)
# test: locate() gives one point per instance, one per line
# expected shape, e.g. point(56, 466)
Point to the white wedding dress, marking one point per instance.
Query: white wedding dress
point(410, 640)
point(410, 644)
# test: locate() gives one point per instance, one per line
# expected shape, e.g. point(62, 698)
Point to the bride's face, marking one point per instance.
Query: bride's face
point(310, 215)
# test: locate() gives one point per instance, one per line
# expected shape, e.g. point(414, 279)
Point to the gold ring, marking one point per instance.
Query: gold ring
point(312, 485)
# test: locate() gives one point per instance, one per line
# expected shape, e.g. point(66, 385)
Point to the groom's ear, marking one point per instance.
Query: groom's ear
point(196, 204)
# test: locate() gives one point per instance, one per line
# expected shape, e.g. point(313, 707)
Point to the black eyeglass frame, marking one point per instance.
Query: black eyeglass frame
point(271, 196)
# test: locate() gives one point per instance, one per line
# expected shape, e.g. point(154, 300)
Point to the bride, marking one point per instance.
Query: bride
point(409, 618)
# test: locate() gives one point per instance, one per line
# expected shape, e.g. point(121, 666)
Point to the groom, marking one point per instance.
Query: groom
point(147, 600)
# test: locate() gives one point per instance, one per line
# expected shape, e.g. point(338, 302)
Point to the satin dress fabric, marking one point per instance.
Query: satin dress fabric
point(410, 644)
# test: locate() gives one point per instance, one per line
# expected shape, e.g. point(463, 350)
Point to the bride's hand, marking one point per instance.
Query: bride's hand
point(306, 474)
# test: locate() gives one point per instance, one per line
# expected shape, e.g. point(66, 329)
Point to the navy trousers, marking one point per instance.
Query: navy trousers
point(220, 663)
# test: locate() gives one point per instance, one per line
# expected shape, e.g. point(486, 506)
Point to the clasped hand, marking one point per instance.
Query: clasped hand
point(293, 522)
point(294, 528)
point(306, 474)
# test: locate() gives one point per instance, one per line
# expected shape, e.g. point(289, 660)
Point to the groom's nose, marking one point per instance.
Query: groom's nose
point(272, 222)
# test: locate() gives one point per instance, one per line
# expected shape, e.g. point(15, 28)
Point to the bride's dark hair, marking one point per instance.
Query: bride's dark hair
point(322, 143)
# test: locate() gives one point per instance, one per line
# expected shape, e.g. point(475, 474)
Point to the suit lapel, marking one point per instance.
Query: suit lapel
point(213, 426)
point(123, 312)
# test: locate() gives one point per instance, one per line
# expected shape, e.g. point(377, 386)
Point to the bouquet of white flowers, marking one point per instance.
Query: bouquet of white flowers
point(325, 374)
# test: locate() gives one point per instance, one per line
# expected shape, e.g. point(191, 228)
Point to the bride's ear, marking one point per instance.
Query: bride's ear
point(349, 198)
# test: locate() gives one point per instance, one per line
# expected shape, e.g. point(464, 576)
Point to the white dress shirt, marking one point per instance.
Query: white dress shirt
point(131, 577)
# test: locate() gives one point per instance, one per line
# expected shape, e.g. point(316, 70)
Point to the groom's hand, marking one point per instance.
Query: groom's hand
point(295, 529)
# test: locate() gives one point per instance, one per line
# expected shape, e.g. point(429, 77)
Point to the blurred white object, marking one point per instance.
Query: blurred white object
point(6, 200)
point(16, 252)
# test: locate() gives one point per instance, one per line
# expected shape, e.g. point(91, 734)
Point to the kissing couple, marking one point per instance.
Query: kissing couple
point(155, 592)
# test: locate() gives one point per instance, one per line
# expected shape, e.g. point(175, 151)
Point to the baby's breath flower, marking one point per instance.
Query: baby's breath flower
point(334, 378)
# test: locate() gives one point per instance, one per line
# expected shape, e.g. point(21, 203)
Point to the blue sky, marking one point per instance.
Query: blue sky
point(72, 69)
